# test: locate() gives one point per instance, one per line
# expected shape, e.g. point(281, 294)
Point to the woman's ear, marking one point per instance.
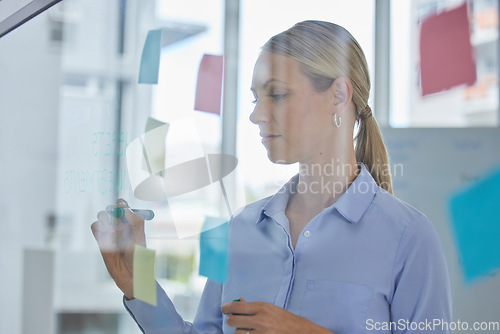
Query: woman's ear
point(342, 94)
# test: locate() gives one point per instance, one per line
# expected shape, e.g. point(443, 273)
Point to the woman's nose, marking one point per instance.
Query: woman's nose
point(259, 114)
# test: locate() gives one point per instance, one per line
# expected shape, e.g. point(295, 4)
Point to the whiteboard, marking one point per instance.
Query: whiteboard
point(435, 163)
point(13, 13)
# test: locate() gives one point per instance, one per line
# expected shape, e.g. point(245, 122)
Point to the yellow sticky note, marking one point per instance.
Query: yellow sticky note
point(144, 275)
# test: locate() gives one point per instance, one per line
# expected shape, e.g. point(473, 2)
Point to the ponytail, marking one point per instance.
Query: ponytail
point(370, 149)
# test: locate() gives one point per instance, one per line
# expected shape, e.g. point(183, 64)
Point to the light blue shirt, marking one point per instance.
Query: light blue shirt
point(370, 263)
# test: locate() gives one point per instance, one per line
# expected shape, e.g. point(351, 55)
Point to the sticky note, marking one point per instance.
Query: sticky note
point(160, 168)
point(144, 275)
point(209, 84)
point(214, 241)
point(150, 60)
point(476, 226)
point(446, 54)
point(154, 146)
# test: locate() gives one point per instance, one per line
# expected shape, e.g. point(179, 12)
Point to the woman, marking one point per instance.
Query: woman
point(333, 250)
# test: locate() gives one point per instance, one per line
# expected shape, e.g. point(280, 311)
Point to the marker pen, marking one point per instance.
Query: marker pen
point(119, 212)
point(238, 300)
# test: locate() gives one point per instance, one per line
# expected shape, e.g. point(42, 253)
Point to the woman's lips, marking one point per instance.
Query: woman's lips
point(267, 138)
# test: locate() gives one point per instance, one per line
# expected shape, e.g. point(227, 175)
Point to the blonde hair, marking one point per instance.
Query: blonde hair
point(327, 51)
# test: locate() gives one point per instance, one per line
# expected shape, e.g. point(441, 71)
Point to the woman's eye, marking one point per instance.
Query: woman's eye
point(278, 97)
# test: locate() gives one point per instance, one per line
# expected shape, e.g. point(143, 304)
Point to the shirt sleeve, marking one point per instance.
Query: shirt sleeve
point(164, 318)
point(421, 298)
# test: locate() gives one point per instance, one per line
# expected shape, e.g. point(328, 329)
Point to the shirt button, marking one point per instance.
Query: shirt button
point(307, 234)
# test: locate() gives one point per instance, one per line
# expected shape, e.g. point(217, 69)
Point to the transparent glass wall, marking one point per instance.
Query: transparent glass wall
point(70, 106)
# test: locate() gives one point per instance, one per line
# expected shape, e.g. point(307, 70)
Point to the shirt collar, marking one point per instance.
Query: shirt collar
point(278, 202)
point(351, 205)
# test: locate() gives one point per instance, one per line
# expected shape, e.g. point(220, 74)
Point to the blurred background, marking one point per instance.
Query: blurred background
point(70, 103)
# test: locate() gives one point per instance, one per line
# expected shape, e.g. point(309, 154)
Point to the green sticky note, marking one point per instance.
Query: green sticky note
point(150, 60)
point(144, 275)
point(154, 146)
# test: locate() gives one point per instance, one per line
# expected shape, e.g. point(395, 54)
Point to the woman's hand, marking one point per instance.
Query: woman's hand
point(117, 238)
point(265, 318)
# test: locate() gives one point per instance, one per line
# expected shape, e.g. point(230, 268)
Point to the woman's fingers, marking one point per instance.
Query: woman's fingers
point(241, 321)
point(120, 212)
point(116, 237)
point(135, 221)
point(104, 235)
point(238, 307)
point(104, 218)
point(116, 212)
point(113, 231)
point(245, 331)
point(118, 228)
point(109, 232)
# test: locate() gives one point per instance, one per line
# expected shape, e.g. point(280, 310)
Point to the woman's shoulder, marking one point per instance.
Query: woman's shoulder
point(390, 210)
point(390, 204)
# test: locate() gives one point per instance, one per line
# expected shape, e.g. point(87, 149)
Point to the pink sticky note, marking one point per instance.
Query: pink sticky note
point(209, 86)
point(446, 55)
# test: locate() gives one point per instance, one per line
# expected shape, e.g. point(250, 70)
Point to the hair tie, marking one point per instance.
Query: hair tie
point(366, 113)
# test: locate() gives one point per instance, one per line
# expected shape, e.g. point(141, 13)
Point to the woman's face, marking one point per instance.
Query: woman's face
point(294, 119)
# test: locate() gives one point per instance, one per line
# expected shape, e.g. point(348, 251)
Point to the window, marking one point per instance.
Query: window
point(473, 105)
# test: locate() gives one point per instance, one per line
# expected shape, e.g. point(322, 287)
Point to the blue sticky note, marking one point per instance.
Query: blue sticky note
point(214, 242)
point(150, 60)
point(476, 225)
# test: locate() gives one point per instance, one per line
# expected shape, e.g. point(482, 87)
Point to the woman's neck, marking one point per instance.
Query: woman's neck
point(322, 182)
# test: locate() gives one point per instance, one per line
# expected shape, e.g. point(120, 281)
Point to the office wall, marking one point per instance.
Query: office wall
point(429, 166)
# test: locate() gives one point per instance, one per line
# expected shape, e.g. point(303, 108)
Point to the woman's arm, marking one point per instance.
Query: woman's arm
point(116, 239)
point(164, 318)
point(266, 318)
point(421, 291)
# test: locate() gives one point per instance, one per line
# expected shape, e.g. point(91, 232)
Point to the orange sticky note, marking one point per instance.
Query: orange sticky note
point(446, 54)
point(209, 85)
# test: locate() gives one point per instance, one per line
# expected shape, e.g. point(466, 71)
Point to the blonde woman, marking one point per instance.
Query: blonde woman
point(333, 251)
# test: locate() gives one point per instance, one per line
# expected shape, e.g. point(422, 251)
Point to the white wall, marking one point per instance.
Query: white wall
point(29, 97)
